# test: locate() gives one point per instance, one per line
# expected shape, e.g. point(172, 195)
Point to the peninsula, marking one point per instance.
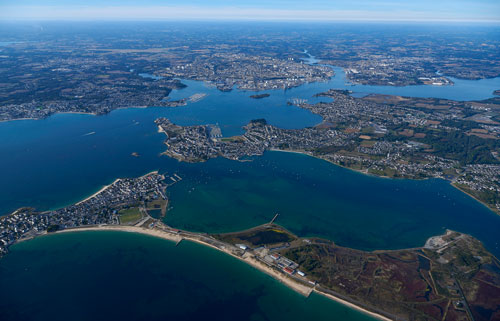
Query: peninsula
point(390, 136)
point(41, 76)
point(452, 277)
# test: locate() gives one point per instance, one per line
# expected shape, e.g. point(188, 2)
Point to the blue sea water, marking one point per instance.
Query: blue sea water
point(316, 198)
point(126, 276)
point(57, 161)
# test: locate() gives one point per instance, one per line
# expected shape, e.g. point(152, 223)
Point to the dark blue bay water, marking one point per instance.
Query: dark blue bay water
point(316, 198)
point(59, 160)
point(126, 276)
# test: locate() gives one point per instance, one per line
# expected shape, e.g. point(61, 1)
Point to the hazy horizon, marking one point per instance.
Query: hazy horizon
point(481, 11)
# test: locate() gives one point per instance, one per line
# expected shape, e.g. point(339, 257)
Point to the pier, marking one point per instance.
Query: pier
point(175, 179)
point(274, 218)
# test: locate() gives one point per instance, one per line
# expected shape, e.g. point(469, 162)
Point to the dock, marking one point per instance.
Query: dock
point(175, 179)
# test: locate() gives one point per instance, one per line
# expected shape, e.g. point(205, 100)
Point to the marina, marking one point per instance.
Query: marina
point(59, 160)
point(69, 167)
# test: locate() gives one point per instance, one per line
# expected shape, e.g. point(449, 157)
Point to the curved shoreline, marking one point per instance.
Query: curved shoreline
point(79, 113)
point(475, 198)
point(248, 259)
point(299, 285)
point(387, 177)
point(105, 187)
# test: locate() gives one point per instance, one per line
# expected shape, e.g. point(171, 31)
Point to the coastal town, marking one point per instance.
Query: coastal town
point(411, 60)
point(101, 208)
point(251, 73)
point(97, 68)
point(97, 81)
point(379, 138)
point(118, 90)
point(443, 280)
point(113, 88)
point(42, 76)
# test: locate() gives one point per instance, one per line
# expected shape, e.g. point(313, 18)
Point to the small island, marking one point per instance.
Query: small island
point(259, 96)
point(382, 135)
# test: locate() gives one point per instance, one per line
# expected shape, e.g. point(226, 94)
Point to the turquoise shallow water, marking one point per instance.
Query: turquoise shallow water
point(316, 198)
point(60, 160)
point(57, 161)
point(126, 276)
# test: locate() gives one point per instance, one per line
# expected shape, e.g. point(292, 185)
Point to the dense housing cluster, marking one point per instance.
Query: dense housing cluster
point(101, 208)
point(45, 72)
point(406, 57)
point(382, 135)
point(255, 73)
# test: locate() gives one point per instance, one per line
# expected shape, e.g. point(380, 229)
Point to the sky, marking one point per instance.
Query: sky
point(247, 10)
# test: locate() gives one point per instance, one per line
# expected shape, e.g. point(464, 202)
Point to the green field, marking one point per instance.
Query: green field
point(130, 215)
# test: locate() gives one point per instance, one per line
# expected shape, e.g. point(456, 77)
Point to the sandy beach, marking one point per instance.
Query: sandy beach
point(193, 237)
point(130, 229)
point(98, 192)
point(353, 306)
point(247, 258)
point(300, 288)
point(107, 186)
